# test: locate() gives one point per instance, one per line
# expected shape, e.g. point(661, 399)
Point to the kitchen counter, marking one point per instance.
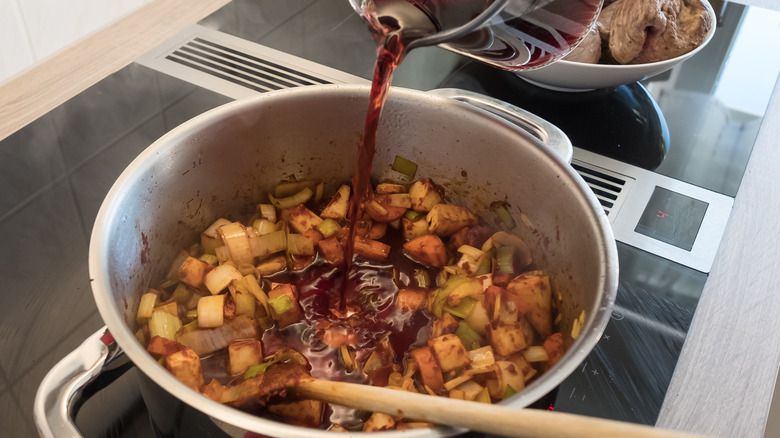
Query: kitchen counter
point(724, 380)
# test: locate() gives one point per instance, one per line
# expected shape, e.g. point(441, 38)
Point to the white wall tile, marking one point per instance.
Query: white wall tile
point(15, 51)
point(55, 24)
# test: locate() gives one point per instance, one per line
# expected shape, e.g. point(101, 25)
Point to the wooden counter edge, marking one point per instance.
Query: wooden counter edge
point(25, 98)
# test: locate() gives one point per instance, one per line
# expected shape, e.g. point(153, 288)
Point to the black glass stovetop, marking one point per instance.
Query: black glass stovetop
point(689, 124)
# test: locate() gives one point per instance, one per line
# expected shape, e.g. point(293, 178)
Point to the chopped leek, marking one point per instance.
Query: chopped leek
point(235, 237)
point(281, 304)
point(483, 396)
point(291, 201)
point(264, 226)
point(404, 166)
point(509, 391)
point(256, 370)
point(164, 324)
point(443, 292)
point(328, 227)
point(486, 265)
point(210, 259)
point(503, 214)
point(146, 306)
point(413, 216)
point(300, 245)
point(286, 189)
point(505, 259)
point(468, 336)
point(267, 212)
point(463, 309)
point(267, 244)
point(422, 277)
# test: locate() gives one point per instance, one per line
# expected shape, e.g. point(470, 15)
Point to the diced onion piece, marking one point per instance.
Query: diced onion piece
point(470, 251)
point(300, 245)
point(218, 278)
point(400, 200)
point(267, 212)
point(404, 166)
point(264, 226)
point(291, 201)
point(146, 306)
point(378, 208)
point(328, 227)
point(235, 237)
point(207, 341)
point(452, 383)
point(268, 244)
point(470, 389)
point(164, 324)
point(211, 311)
point(281, 304)
point(535, 353)
point(482, 359)
point(478, 318)
point(388, 188)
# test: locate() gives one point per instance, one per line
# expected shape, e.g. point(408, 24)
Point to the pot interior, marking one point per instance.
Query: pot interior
point(223, 161)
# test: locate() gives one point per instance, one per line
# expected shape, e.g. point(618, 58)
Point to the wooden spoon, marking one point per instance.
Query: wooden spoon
point(481, 417)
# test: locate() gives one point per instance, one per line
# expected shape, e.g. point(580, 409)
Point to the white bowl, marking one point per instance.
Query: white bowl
point(579, 76)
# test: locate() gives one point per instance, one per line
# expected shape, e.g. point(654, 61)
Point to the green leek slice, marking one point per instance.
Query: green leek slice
point(281, 304)
point(467, 335)
point(328, 227)
point(463, 309)
point(402, 165)
point(164, 324)
point(293, 200)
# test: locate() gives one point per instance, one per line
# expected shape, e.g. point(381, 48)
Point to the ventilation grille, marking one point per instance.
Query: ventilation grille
point(609, 187)
point(240, 68)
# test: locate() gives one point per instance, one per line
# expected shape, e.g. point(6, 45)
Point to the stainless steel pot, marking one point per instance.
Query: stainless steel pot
point(229, 157)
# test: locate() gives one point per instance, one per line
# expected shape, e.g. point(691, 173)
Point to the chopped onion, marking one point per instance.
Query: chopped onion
point(470, 251)
point(400, 200)
point(253, 286)
point(209, 238)
point(452, 383)
point(207, 341)
point(482, 359)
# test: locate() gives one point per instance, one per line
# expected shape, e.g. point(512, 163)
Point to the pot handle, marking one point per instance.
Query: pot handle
point(58, 395)
point(546, 132)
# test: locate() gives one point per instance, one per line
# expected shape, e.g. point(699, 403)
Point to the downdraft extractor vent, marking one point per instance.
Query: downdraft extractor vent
point(240, 68)
point(235, 67)
point(610, 188)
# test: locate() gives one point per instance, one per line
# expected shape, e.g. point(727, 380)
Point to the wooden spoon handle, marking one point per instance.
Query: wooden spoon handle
point(494, 419)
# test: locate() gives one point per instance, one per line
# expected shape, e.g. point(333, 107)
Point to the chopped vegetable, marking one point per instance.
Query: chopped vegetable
point(291, 201)
point(404, 166)
point(164, 324)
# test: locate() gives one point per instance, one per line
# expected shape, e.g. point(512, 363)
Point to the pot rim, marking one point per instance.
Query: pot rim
point(109, 308)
